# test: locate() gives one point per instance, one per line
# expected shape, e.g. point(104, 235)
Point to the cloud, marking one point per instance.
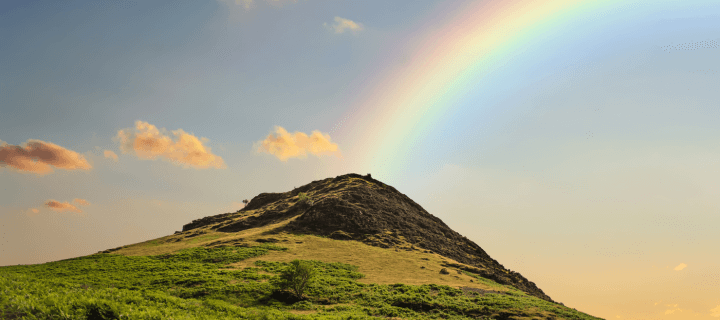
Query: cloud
point(40, 157)
point(246, 3)
point(111, 155)
point(61, 206)
point(341, 25)
point(81, 202)
point(249, 4)
point(669, 311)
point(147, 142)
point(296, 145)
point(32, 212)
point(715, 312)
point(680, 267)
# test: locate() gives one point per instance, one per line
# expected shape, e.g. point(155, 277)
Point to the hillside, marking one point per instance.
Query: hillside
point(380, 255)
point(355, 207)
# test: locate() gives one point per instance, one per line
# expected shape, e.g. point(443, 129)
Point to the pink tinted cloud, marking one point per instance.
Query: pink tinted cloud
point(61, 206)
point(285, 145)
point(33, 212)
point(147, 142)
point(81, 202)
point(110, 155)
point(40, 157)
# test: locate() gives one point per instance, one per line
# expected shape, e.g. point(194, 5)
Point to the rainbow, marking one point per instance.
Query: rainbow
point(470, 56)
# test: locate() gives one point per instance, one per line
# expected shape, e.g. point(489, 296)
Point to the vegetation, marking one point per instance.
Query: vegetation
point(303, 197)
point(201, 283)
point(297, 276)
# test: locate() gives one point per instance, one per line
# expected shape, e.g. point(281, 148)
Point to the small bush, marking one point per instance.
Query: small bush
point(444, 271)
point(303, 197)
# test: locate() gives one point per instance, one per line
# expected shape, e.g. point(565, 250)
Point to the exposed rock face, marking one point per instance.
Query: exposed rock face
point(355, 207)
point(206, 221)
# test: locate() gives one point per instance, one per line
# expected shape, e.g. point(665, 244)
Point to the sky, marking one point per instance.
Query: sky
point(575, 141)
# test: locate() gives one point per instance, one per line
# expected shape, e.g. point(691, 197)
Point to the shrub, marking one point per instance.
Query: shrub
point(444, 271)
point(303, 197)
point(296, 277)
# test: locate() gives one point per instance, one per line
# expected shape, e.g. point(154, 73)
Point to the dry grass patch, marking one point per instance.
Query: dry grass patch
point(380, 266)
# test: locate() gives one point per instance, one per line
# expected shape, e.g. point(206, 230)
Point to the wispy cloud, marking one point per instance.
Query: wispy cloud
point(61, 206)
point(715, 312)
point(40, 157)
point(147, 142)
point(249, 4)
point(32, 212)
point(81, 202)
point(680, 267)
point(341, 25)
point(110, 155)
point(674, 309)
point(285, 145)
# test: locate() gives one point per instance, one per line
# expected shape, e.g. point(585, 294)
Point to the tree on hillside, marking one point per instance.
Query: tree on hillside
point(296, 277)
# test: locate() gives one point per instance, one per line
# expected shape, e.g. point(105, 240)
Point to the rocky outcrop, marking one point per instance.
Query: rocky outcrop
point(199, 223)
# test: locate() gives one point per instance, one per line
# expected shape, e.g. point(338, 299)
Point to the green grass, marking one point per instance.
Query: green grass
point(198, 283)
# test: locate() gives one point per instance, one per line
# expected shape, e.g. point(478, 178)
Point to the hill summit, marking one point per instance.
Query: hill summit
point(356, 207)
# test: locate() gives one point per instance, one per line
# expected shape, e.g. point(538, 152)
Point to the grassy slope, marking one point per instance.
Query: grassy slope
point(161, 279)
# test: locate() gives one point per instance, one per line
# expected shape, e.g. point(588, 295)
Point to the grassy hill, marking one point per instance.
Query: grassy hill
point(221, 267)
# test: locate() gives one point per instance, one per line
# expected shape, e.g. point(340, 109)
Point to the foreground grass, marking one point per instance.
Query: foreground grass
point(199, 283)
